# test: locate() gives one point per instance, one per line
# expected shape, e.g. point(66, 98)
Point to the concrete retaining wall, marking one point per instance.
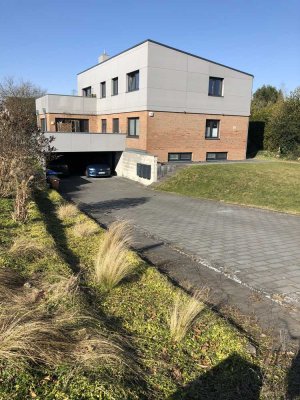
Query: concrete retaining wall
point(127, 166)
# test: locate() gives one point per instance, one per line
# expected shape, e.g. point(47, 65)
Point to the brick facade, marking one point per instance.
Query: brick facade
point(170, 132)
point(180, 132)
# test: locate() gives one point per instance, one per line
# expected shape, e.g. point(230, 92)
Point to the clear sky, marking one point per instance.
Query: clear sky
point(49, 41)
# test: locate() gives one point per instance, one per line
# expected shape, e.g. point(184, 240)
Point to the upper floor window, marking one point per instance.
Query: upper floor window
point(133, 79)
point(115, 125)
point(114, 86)
point(87, 92)
point(212, 129)
point(103, 125)
point(133, 126)
point(103, 90)
point(215, 87)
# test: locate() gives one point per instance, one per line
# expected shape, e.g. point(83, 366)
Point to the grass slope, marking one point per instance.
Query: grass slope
point(212, 362)
point(272, 185)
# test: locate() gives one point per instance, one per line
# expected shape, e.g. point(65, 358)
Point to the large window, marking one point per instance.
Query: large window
point(180, 156)
point(43, 125)
point(71, 125)
point(103, 125)
point(114, 86)
point(212, 129)
point(215, 87)
point(133, 79)
point(103, 90)
point(87, 92)
point(115, 125)
point(133, 127)
point(217, 156)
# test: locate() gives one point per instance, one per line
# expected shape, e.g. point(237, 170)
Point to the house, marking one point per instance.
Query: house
point(152, 104)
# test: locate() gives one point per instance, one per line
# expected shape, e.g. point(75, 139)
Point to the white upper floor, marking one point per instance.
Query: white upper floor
point(169, 80)
point(155, 77)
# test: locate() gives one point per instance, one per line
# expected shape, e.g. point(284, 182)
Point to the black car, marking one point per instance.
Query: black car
point(97, 170)
point(60, 165)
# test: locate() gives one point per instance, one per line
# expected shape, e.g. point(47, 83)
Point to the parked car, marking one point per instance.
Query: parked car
point(97, 170)
point(60, 165)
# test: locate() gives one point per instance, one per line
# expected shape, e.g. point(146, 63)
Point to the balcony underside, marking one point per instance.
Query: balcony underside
point(65, 142)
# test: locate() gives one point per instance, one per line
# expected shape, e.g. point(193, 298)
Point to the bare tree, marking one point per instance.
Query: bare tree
point(22, 146)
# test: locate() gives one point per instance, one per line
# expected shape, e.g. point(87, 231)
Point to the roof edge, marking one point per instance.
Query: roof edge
point(171, 48)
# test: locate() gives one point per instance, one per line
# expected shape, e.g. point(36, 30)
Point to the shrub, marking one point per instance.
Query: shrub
point(85, 228)
point(184, 315)
point(112, 263)
point(66, 211)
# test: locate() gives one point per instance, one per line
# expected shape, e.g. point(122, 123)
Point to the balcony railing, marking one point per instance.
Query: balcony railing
point(71, 142)
point(65, 104)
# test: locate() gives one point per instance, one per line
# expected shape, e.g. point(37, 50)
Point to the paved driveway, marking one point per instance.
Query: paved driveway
point(256, 247)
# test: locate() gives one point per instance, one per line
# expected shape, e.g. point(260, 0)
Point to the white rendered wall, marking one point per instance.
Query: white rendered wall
point(119, 66)
point(127, 166)
point(179, 82)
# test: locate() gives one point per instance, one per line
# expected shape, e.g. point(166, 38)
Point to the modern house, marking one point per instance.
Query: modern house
point(152, 103)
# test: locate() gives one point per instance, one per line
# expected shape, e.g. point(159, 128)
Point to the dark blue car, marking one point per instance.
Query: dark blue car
point(97, 170)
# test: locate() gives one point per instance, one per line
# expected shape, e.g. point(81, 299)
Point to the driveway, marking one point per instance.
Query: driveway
point(256, 247)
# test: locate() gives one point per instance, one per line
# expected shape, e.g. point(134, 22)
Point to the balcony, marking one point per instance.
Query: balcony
point(66, 142)
point(63, 104)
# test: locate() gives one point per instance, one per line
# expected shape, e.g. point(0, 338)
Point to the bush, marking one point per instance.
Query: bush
point(85, 228)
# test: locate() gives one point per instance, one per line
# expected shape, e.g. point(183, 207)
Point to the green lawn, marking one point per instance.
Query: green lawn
point(212, 362)
point(273, 185)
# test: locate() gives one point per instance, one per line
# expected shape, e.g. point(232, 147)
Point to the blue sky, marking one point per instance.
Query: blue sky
point(49, 41)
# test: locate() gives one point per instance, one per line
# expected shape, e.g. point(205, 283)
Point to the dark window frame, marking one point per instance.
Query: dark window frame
point(83, 123)
point(43, 125)
point(133, 81)
point(87, 91)
point(211, 86)
point(115, 86)
point(103, 125)
point(210, 122)
point(115, 120)
point(218, 155)
point(135, 135)
point(103, 90)
point(180, 156)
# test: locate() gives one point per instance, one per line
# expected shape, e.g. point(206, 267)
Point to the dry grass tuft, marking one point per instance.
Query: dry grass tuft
point(112, 263)
point(28, 248)
point(85, 228)
point(67, 211)
point(45, 324)
point(184, 315)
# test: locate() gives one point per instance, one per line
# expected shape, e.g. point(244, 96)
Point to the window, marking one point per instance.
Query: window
point(212, 129)
point(103, 125)
point(43, 125)
point(133, 127)
point(71, 125)
point(218, 156)
point(115, 125)
point(133, 81)
point(114, 86)
point(103, 90)
point(87, 92)
point(179, 156)
point(215, 87)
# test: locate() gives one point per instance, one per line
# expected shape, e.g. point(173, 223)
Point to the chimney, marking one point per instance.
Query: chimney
point(103, 57)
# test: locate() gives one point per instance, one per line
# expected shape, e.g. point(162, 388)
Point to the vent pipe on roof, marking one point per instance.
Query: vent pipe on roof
point(103, 57)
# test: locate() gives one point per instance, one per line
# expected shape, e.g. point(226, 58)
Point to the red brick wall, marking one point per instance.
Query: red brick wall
point(179, 132)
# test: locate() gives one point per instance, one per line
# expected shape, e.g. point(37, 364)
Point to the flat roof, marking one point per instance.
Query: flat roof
point(168, 47)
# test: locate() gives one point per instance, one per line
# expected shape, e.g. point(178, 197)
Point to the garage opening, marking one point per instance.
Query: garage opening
point(76, 163)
